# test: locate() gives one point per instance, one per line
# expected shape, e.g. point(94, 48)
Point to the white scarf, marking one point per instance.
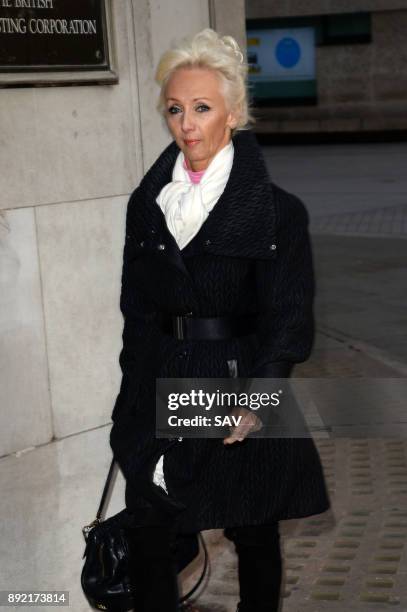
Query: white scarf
point(186, 205)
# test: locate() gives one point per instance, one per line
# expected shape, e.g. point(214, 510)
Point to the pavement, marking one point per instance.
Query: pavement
point(353, 557)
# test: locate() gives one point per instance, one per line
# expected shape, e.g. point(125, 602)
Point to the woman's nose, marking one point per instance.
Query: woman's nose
point(187, 122)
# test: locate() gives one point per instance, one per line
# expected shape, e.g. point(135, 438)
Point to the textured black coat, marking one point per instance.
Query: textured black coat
point(251, 255)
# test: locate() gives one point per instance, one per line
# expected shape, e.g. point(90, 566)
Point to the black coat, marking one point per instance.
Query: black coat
point(251, 255)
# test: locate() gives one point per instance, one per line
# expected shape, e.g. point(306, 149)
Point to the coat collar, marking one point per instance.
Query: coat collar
point(241, 224)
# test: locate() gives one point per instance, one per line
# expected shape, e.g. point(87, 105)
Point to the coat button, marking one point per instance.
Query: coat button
point(161, 246)
point(273, 247)
point(207, 242)
point(142, 243)
point(180, 439)
point(153, 231)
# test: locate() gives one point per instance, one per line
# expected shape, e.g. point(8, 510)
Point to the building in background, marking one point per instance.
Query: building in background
point(328, 68)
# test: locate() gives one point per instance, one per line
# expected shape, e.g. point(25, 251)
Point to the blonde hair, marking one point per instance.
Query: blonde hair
point(207, 49)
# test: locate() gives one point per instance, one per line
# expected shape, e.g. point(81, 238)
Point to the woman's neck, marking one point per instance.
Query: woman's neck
point(189, 165)
point(194, 175)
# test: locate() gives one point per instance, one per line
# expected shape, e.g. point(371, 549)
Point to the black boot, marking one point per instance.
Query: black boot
point(153, 569)
point(259, 567)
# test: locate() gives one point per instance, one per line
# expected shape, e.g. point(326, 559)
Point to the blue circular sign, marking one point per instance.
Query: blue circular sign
point(288, 52)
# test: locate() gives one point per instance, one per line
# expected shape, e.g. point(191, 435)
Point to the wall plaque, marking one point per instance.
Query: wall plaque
point(46, 42)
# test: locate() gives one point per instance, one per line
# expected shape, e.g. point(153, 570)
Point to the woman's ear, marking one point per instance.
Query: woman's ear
point(233, 118)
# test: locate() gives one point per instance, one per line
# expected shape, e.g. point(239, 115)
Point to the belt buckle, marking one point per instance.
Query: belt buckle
point(179, 327)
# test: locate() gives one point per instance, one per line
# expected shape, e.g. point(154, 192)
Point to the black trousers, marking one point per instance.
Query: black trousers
point(154, 575)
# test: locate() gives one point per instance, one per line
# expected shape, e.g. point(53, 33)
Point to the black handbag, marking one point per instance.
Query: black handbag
point(104, 577)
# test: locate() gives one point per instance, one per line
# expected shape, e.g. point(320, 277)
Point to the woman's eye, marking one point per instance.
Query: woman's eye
point(202, 108)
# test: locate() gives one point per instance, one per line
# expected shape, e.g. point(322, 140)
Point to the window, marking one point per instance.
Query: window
point(281, 53)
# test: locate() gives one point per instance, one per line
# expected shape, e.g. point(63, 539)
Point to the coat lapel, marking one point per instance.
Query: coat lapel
point(241, 224)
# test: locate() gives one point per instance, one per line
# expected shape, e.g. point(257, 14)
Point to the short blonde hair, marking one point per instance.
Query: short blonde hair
point(207, 49)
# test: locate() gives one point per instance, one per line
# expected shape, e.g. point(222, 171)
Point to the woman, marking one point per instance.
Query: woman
point(210, 236)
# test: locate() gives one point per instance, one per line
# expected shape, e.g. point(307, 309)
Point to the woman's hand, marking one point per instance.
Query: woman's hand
point(248, 423)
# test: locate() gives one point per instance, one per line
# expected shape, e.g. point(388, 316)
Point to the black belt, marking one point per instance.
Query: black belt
point(207, 328)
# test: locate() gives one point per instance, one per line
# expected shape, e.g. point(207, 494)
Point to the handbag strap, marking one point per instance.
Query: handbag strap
point(105, 490)
point(202, 576)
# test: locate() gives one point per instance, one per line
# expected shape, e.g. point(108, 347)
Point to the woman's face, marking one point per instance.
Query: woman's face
point(197, 115)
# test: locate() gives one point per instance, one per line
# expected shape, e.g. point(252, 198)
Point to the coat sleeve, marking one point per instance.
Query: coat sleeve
point(138, 316)
point(132, 436)
point(286, 288)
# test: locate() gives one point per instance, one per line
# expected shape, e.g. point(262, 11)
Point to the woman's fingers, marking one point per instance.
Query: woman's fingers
point(249, 422)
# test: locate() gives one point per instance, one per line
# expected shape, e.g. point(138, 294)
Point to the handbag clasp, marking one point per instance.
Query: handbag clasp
point(88, 528)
